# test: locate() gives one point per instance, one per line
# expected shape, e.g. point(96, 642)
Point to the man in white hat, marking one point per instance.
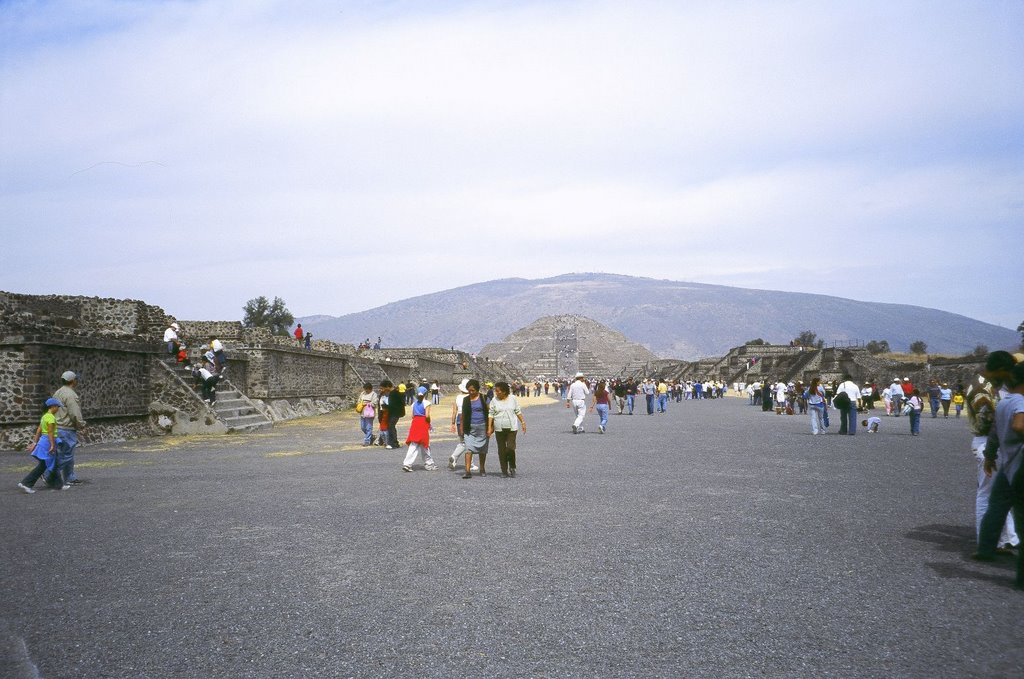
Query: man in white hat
point(460, 449)
point(576, 398)
point(171, 338)
point(69, 423)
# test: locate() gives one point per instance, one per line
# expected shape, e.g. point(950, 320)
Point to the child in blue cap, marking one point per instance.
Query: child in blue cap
point(44, 448)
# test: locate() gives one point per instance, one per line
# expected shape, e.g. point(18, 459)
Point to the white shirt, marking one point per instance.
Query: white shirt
point(170, 335)
point(578, 391)
point(216, 345)
point(851, 389)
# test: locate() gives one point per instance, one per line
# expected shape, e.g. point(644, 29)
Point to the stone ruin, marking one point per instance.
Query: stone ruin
point(556, 347)
point(129, 390)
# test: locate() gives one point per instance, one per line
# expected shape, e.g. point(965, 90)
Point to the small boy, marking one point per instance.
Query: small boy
point(871, 424)
point(44, 448)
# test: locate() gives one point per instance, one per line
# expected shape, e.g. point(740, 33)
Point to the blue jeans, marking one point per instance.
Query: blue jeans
point(366, 424)
point(915, 421)
point(662, 403)
point(68, 441)
point(848, 421)
point(650, 403)
point(934, 402)
point(629, 403)
point(602, 412)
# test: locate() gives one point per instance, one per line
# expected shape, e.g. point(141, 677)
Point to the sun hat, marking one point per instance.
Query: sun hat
point(462, 386)
point(175, 326)
point(579, 374)
point(69, 376)
point(50, 402)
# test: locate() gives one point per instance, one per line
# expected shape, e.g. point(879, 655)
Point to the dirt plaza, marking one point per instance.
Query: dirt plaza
point(713, 540)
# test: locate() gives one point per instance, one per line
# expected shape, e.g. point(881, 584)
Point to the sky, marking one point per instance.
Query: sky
point(344, 155)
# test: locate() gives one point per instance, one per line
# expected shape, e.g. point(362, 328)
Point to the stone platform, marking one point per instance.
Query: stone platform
point(711, 541)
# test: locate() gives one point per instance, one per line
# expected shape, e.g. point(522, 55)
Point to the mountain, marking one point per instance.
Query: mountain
point(673, 319)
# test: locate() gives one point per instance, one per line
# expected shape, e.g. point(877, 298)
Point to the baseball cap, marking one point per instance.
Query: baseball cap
point(420, 391)
point(50, 402)
point(69, 375)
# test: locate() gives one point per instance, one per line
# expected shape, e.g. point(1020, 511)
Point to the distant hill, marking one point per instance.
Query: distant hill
point(673, 319)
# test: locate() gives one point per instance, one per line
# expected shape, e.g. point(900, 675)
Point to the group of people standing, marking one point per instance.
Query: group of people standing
point(474, 418)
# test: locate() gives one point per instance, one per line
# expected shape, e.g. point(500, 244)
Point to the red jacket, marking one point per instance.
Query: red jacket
point(298, 333)
point(908, 389)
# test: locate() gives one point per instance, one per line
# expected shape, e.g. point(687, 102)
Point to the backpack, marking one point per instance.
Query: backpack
point(841, 401)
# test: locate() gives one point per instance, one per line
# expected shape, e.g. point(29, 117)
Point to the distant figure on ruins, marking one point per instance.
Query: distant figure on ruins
point(298, 333)
point(309, 340)
point(219, 359)
point(207, 382)
point(376, 345)
point(171, 338)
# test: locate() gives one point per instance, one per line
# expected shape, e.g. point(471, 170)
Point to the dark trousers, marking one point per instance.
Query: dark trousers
point(393, 431)
point(33, 476)
point(1006, 496)
point(650, 403)
point(209, 388)
point(506, 440)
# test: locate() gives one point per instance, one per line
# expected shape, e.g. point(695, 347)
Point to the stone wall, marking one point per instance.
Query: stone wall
point(279, 372)
point(114, 385)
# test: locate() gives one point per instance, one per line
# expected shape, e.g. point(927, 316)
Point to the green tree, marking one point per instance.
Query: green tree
point(807, 339)
point(274, 316)
point(918, 347)
point(980, 350)
point(755, 342)
point(878, 347)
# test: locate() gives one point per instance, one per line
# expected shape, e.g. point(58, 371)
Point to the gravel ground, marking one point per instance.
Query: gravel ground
point(714, 540)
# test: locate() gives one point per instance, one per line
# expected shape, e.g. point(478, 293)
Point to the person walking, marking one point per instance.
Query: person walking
point(816, 406)
point(601, 406)
point(460, 448)
point(576, 398)
point(916, 406)
point(631, 391)
point(945, 398)
point(1004, 459)
point(435, 393)
point(366, 406)
point(896, 397)
point(473, 427)
point(981, 399)
point(44, 449)
point(418, 439)
point(396, 411)
point(69, 425)
point(649, 389)
point(504, 421)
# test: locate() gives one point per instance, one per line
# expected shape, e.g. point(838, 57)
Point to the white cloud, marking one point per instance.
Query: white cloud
point(723, 142)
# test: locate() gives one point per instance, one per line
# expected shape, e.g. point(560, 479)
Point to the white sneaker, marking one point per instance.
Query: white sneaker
point(406, 468)
point(67, 486)
point(25, 488)
point(474, 468)
point(451, 464)
point(431, 468)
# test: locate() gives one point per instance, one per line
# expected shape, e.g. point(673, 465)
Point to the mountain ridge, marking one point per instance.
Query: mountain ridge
point(673, 319)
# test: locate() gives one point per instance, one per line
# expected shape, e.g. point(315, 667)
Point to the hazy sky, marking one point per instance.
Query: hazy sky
point(343, 155)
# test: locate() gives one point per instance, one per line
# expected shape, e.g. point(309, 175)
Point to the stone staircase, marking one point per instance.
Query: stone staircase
point(367, 371)
point(231, 406)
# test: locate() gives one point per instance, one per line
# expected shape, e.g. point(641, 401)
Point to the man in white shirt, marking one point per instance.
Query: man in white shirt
point(896, 396)
point(576, 398)
point(171, 338)
point(848, 416)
